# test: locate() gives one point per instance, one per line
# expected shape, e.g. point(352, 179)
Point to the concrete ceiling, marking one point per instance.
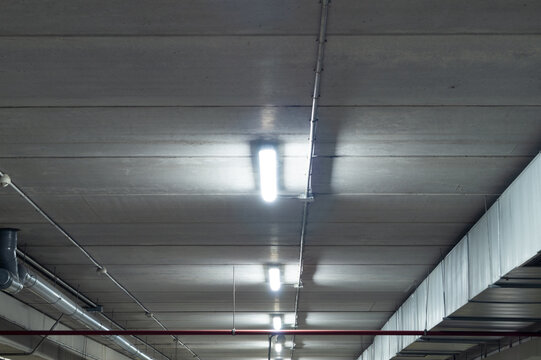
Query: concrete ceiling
point(134, 124)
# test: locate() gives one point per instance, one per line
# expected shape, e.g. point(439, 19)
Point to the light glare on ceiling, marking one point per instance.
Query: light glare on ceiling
point(277, 322)
point(274, 278)
point(268, 173)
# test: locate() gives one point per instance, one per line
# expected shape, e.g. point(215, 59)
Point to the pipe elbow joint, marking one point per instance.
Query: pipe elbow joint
point(9, 282)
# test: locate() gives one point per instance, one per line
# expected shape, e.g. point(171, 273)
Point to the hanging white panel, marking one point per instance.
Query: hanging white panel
point(399, 326)
point(421, 298)
point(369, 353)
point(484, 252)
point(394, 343)
point(409, 318)
point(435, 310)
point(386, 343)
point(479, 257)
point(455, 277)
point(520, 218)
point(494, 242)
point(379, 353)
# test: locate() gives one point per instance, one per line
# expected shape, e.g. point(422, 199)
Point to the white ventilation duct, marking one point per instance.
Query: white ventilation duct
point(506, 237)
point(14, 278)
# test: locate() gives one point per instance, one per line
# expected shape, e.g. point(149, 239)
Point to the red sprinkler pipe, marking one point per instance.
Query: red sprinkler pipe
point(270, 332)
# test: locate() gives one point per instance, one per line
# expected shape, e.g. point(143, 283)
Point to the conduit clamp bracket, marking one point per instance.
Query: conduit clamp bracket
point(5, 180)
point(98, 308)
point(310, 198)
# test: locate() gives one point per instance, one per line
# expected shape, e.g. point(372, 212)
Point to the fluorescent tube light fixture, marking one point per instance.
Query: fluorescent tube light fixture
point(280, 342)
point(268, 173)
point(277, 322)
point(274, 278)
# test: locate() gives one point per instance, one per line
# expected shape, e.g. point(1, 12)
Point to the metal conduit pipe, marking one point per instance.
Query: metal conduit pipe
point(238, 332)
point(311, 155)
point(5, 180)
point(49, 276)
point(14, 277)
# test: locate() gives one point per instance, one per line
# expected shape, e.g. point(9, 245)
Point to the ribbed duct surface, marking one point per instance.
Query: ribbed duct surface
point(505, 239)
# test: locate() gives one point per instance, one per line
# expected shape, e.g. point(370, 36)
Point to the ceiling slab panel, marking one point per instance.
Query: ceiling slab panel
point(164, 255)
point(160, 209)
point(207, 320)
point(371, 278)
point(399, 208)
point(343, 320)
point(440, 16)
point(180, 277)
point(388, 255)
point(78, 71)
point(429, 131)
point(281, 17)
point(525, 311)
point(229, 131)
point(245, 255)
point(417, 175)
point(530, 271)
point(433, 70)
point(256, 233)
point(165, 17)
point(349, 301)
point(15, 211)
point(282, 233)
point(321, 278)
point(150, 131)
point(307, 346)
point(510, 295)
point(146, 176)
point(384, 233)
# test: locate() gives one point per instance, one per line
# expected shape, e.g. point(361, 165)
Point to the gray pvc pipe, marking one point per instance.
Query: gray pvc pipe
point(9, 270)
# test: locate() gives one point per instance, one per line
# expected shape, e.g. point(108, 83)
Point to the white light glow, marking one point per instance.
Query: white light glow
point(277, 322)
point(268, 174)
point(274, 279)
point(278, 347)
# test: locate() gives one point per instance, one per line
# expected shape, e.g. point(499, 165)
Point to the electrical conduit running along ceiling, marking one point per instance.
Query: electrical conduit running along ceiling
point(132, 126)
